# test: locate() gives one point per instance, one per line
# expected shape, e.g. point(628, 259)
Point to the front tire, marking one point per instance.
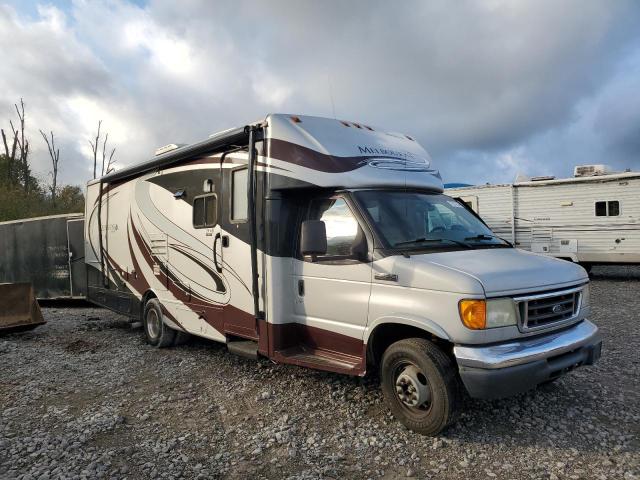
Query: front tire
point(156, 331)
point(420, 385)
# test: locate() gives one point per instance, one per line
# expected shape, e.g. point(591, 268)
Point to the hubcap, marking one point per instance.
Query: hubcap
point(412, 387)
point(153, 323)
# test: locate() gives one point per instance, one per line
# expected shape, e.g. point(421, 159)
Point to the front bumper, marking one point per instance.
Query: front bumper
point(513, 367)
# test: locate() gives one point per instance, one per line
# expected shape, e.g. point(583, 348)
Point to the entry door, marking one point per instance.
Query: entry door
point(77, 268)
point(332, 291)
point(233, 246)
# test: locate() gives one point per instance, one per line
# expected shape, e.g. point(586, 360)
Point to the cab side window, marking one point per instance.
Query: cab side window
point(205, 211)
point(341, 226)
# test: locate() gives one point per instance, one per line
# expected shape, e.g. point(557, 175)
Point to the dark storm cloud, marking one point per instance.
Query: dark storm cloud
point(491, 88)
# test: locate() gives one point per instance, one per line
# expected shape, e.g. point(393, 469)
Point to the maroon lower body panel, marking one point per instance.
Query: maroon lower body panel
point(312, 347)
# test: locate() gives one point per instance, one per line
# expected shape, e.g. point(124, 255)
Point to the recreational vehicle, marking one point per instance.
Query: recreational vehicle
point(330, 244)
point(593, 218)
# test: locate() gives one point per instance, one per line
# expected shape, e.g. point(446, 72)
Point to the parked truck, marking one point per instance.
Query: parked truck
point(330, 245)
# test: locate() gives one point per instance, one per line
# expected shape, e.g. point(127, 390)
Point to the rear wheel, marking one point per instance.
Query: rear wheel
point(420, 385)
point(157, 332)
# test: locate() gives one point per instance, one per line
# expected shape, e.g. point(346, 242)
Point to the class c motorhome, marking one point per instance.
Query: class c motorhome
point(329, 244)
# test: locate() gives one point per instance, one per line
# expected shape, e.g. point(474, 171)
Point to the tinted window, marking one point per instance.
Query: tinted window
point(341, 226)
point(239, 194)
point(601, 209)
point(614, 208)
point(205, 211)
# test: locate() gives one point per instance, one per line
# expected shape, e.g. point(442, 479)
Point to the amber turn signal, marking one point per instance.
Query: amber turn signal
point(474, 313)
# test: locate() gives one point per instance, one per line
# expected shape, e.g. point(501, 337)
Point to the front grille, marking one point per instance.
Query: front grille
point(538, 311)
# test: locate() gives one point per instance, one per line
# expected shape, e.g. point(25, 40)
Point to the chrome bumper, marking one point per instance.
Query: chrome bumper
point(528, 350)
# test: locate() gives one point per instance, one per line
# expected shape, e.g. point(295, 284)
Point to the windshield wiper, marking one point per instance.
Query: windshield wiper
point(483, 236)
point(432, 240)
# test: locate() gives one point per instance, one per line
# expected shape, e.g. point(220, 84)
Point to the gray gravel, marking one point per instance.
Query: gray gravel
point(84, 397)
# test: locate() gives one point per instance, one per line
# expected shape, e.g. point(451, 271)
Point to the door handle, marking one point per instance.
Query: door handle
point(388, 277)
point(215, 252)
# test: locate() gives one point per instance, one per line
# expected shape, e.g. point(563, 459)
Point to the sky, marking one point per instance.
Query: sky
point(490, 88)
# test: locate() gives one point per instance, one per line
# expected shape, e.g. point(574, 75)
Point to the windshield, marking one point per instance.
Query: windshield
point(407, 220)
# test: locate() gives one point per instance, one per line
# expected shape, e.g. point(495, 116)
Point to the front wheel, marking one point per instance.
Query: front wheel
point(420, 385)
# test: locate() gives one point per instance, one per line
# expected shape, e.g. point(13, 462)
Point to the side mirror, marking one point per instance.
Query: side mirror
point(313, 240)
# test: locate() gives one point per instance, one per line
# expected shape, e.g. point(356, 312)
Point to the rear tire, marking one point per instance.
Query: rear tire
point(420, 385)
point(156, 331)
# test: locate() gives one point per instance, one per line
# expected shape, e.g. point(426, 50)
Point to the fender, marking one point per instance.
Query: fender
point(410, 320)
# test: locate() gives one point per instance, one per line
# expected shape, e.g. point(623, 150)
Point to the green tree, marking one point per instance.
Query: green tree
point(36, 201)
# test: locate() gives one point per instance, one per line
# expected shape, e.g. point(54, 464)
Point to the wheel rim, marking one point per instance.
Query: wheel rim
point(153, 323)
point(412, 388)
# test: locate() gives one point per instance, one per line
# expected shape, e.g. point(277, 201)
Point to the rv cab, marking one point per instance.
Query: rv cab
point(330, 245)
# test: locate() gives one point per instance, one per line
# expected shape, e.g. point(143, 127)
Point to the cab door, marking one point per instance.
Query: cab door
point(332, 291)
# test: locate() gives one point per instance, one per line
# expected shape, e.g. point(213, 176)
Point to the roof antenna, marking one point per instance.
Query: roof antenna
point(333, 106)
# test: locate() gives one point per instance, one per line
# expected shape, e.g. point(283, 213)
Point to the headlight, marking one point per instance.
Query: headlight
point(501, 312)
point(481, 314)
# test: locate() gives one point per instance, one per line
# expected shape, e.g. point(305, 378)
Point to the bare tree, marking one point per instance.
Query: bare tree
point(11, 157)
point(23, 146)
point(111, 162)
point(109, 166)
point(20, 145)
point(107, 161)
point(55, 157)
point(94, 148)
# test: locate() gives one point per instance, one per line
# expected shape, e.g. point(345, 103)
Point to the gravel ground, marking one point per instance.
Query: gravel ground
point(84, 396)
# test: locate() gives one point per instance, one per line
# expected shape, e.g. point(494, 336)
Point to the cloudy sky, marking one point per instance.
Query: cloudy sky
point(491, 88)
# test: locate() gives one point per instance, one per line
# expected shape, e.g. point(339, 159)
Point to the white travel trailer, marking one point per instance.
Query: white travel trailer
point(329, 244)
point(593, 218)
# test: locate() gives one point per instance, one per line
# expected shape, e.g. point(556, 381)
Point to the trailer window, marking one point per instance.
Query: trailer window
point(608, 209)
point(239, 195)
point(205, 211)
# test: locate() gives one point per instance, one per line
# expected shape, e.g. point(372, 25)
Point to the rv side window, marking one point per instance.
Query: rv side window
point(608, 209)
point(239, 195)
point(205, 211)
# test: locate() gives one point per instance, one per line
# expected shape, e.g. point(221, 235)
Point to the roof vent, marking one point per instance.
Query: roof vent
point(591, 170)
point(542, 178)
point(169, 148)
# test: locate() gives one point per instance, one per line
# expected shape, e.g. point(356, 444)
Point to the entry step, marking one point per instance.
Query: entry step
point(244, 348)
point(321, 359)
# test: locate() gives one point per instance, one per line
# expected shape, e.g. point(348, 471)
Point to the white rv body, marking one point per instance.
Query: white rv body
point(565, 218)
point(276, 238)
